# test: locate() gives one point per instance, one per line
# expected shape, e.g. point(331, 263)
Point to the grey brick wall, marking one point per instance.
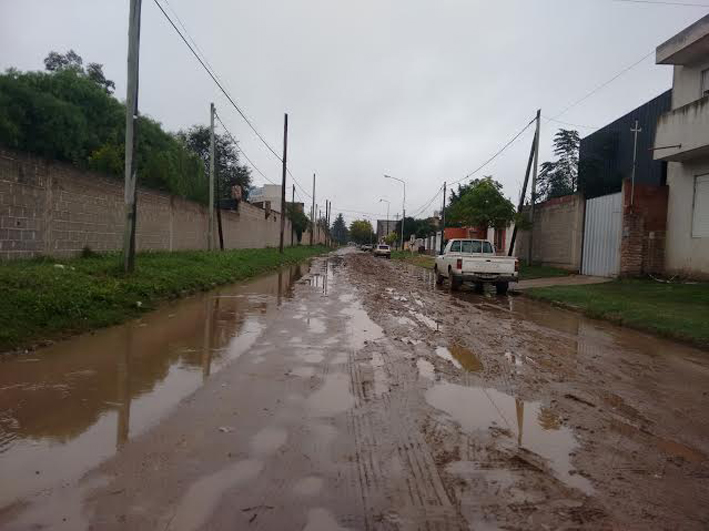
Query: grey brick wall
point(52, 208)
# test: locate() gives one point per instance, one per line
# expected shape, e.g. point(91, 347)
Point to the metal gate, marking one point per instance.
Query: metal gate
point(602, 235)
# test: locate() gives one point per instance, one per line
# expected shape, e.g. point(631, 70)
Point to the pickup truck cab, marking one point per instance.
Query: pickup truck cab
point(475, 261)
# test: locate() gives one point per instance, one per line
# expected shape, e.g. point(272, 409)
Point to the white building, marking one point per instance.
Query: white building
point(268, 192)
point(682, 139)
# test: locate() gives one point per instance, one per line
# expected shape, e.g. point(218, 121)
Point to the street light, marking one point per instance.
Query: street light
point(403, 207)
point(387, 229)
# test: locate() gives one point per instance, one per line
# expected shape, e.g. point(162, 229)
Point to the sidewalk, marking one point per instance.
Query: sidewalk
point(572, 280)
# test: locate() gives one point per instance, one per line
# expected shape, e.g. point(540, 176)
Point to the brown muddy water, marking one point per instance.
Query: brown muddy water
point(70, 406)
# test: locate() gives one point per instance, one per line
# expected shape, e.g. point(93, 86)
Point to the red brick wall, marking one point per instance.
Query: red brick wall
point(642, 248)
point(51, 208)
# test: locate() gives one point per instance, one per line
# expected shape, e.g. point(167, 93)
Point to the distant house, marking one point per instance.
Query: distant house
point(682, 140)
point(268, 193)
point(385, 227)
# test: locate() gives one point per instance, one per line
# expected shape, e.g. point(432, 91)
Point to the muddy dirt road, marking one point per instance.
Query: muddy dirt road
point(354, 394)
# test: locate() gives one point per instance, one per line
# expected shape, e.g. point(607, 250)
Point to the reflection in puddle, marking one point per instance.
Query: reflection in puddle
point(85, 397)
point(461, 357)
point(444, 353)
point(333, 397)
point(360, 328)
point(316, 325)
point(425, 368)
point(202, 498)
point(303, 372)
point(321, 520)
point(309, 486)
point(478, 409)
point(268, 440)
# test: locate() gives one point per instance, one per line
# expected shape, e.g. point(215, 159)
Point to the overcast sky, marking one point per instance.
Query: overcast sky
point(424, 90)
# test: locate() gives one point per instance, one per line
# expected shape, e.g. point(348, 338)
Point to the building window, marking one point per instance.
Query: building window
point(700, 210)
point(705, 83)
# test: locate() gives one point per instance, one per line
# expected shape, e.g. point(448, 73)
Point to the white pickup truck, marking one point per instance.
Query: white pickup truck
point(475, 261)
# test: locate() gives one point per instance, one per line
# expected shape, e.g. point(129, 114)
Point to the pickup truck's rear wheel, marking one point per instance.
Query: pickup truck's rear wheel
point(456, 282)
point(439, 278)
point(502, 287)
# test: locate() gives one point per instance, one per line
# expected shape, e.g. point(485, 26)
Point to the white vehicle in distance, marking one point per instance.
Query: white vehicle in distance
point(475, 261)
point(382, 250)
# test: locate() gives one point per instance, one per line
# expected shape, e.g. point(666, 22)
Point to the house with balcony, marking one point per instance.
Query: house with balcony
point(682, 140)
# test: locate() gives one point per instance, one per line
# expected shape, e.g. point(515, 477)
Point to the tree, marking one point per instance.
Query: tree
point(339, 230)
point(299, 221)
point(55, 62)
point(561, 177)
point(419, 228)
point(228, 171)
point(361, 231)
point(481, 204)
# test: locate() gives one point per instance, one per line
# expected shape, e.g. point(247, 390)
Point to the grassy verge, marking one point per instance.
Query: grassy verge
point(421, 260)
point(677, 311)
point(538, 271)
point(47, 297)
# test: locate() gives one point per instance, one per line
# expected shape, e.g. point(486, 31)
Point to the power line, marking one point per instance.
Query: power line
point(602, 85)
point(488, 161)
point(240, 150)
point(423, 208)
point(662, 3)
point(569, 123)
point(214, 78)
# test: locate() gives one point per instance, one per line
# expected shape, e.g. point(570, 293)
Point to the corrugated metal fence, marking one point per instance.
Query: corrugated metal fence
point(602, 235)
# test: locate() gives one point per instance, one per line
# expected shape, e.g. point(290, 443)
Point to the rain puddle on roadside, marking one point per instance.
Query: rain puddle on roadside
point(461, 357)
point(85, 397)
point(529, 424)
point(360, 328)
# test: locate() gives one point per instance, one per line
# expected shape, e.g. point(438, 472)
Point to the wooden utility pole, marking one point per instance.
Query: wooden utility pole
point(283, 181)
point(534, 186)
point(292, 229)
point(443, 218)
point(210, 229)
point(312, 215)
point(523, 195)
point(131, 174)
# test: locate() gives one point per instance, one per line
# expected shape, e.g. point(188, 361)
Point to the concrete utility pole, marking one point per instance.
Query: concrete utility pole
point(210, 230)
point(635, 130)
point(523, 195)
point(312, 215)
point(386, 230)
point(131, 174)
point(534, 185)
point(283, 182)
point(403, 208)
point(292, 230)
point(443, 219)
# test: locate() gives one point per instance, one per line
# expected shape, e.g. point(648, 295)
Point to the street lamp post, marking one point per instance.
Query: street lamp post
point(387, 229)
point(403, 207)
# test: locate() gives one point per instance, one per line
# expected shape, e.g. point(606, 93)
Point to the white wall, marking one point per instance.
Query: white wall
point(684, 253)
point(686, 86)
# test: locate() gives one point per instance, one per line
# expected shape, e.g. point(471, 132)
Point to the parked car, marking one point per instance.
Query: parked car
point(382, 250)
point(475, 261)
point(366, 247)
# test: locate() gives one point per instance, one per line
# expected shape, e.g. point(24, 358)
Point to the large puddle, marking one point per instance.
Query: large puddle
point(529, 424)
point(66, 408)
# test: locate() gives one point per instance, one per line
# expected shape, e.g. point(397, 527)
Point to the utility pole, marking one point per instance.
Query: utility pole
point(312, 214)
point(327, 220)
point(523, 195)
point(283, 182)
point(443, 218)
point(131, 174)
point(292, 230)
point(210, 230)
point(534, 186)
point(634, 130)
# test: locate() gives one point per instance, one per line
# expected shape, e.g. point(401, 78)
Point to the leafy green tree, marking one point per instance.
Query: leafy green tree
point(228, 170)
point(339, 230)
point(481, 204)
point(73, 61)
point(299, 221)
point(419, 228)
point(361, 231)
point(560, 178)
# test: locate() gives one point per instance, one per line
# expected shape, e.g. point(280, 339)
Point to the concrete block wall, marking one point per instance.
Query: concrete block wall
point(557, 233)
point(52, 208)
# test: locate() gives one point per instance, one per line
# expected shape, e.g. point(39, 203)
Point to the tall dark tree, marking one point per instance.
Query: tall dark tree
point(560, 177)
point(228, 170)
point(339, 230)
point(71, 60)
point(299, 221)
